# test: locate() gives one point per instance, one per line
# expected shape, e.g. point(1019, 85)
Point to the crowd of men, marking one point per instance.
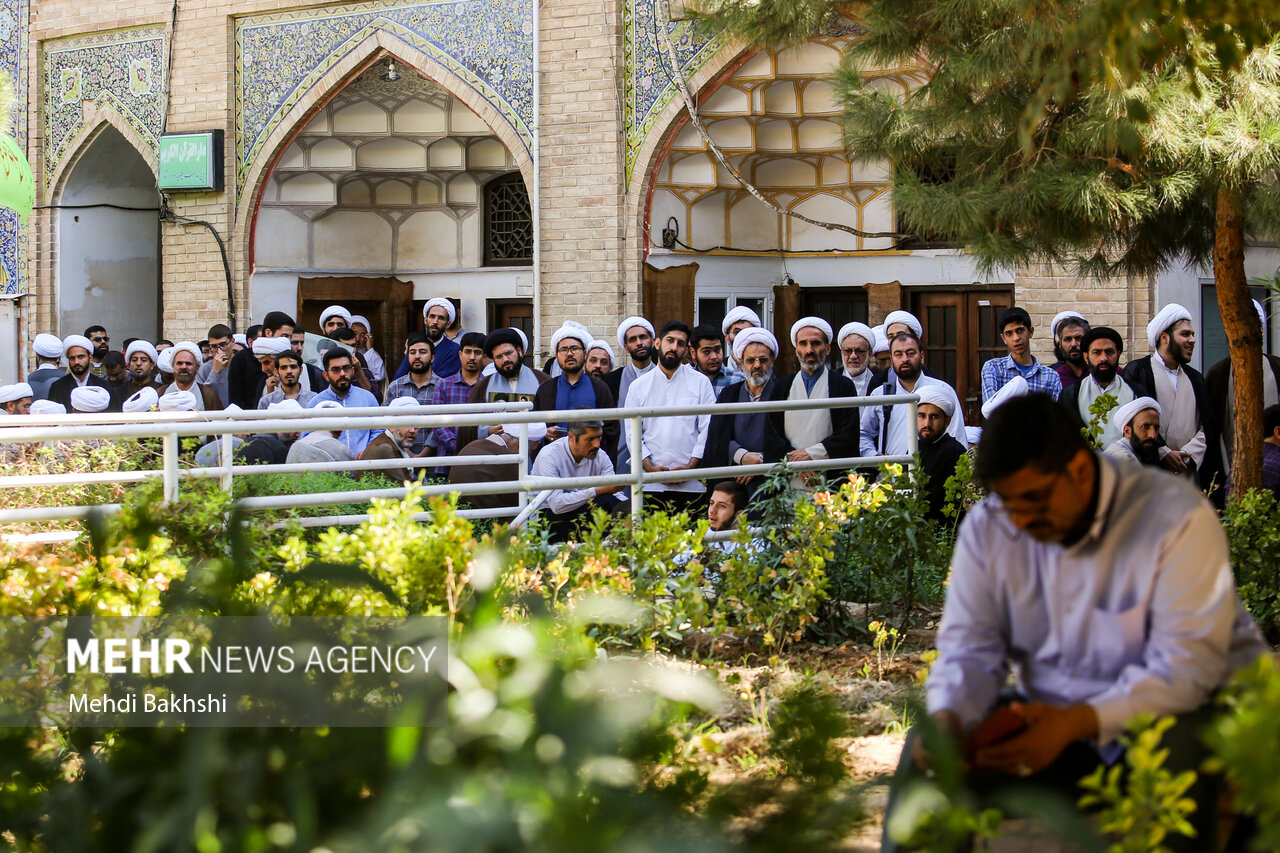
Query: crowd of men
point(1165, 413)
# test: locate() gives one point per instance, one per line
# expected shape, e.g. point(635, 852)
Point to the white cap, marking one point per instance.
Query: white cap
point(537, 431)
point(76, 341)
point(630, 323)
point(936, 395)
point(814, 322)
point(334, 311)
point(47, 407)
point(188, 346)
point(1169, 314)
point(737, 315)
point(241, 338)
point(177, 401)
point(164, 362)
point(600, 343)
point(881, 343)
point(90, 398)
point(911, 321)
point(362, 320)
point(327, 404)
point(15, 392)
point(263, 346)
point(143, 401)
point(441, 302)
point(404, 403)
point(47, 345)
point(862, 330)
point(1015, 387)
point(1065, 315)
point(754, 335)
point(1121, 416)
point(575, 332)
point(287, 405)
point(141, 346)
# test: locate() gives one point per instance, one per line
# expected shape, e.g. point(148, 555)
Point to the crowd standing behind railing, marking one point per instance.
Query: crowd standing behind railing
point(1157, 410)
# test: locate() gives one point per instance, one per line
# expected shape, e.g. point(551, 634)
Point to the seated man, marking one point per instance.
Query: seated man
point(1106, 589)
point(501, 441)
point(577, 455)
point(321, 445)
point(1139, 423)
point(728, 500)
point(394, 443)
point(939, 450)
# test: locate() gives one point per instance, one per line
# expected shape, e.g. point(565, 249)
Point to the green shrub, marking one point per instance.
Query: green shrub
point(1252, 523)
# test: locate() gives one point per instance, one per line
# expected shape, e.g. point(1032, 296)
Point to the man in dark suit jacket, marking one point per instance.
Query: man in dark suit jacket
point(1218, 381)
point(245, 377)
point(79, 353)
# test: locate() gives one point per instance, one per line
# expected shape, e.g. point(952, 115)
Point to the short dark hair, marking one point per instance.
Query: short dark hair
point(471, 339)
point(124, 347)
point(705, 332)
point(164, 341)
point(220, 330)
point(276, 320)
point(1071, 321)
point(580, 427)
point(909, 335)
point(335, 353)
point(288, 354)
point(736, 492)
point(89, 331)
point(1270, 420)
point(343, 334)
point(113, 358)
point(1033, 430)
point(1013, 315)
point(203, 343)
point(254, 331)
point(419, 338)
point(674, 326)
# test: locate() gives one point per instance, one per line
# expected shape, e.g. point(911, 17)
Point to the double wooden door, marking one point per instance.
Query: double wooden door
point(960, 336)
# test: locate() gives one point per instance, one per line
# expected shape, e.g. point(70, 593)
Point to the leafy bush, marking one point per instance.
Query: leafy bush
point(1252, 523)
point(1245, 739)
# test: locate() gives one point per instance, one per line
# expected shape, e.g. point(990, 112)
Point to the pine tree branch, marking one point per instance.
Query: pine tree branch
point(682, 86)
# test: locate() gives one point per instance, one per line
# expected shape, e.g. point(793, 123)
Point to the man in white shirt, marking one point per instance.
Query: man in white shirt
point(577, 455)
point(1102, 347)
point(1106, 589)
point(674, 443)
point(886, 430)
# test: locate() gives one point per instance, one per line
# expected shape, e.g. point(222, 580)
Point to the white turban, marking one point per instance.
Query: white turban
point(241, 338)
point(629, 323)
point(1015, 387)
point(327, 404)
point(601, 344)
point(575, 332)
point(76, 341)
point(233, 409)
point(141, 346)
point(47, 407)
point(334, 311)
point(271, 346)
point(440, 302)
point(816, 322)
point(404, 403)
point(754, 335)
point(881, 343)
point(537, 431)
point(1122, 415)
point(286, 405)
point(912, 322)
point(362, 320)
point(1169, 314)
point(862, 330)
point(189, 346)
point(90, 398)
point(164, 362)
point(13, 393)
point(143, 401)
point(1064, 315)
point(574, 324)
point(524, 339)
point(1262, 318)
point(936, 395)
point(47, 345)
point(177, 401)
point(737, 315)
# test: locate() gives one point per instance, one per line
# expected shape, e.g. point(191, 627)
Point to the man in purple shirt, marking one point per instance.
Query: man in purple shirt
point(1271, 450)
point(1106, 590)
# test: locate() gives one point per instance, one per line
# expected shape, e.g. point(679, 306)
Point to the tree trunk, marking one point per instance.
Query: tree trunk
point(1244, 338)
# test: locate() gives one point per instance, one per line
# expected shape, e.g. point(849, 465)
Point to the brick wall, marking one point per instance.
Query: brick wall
point(1121, 303)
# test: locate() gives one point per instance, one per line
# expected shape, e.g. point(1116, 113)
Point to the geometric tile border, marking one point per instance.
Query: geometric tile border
point(14, 20)
point(488, 44)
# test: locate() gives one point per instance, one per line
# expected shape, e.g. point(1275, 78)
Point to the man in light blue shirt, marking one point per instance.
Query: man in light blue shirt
point(1106, 590)
point(339, 367)
point(1016, 331)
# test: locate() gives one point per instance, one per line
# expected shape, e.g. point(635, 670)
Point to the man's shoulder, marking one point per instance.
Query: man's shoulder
point(998, 363)
point(730, 392)
point(839, 385)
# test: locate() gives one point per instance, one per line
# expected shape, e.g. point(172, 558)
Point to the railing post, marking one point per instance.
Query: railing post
point(522, 497)
point(637, 468)
point(913, 435)
point(225, 442)
point(169, 446)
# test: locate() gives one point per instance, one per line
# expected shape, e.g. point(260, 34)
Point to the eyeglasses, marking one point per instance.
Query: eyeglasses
point(1034, 502)
point(349, 368)
point(569, 350)
point(101, 340)
point(852, 351)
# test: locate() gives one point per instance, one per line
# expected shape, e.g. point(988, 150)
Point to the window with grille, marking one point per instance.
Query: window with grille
point(508, 222)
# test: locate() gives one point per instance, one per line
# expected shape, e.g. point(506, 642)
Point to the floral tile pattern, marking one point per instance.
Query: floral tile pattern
point(647, 86)
point(14, 17)
point(124, 68)
point(488, 44)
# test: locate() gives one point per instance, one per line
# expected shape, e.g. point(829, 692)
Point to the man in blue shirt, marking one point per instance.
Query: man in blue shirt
point(339, 368)
point(1016, 331)
point(707, 348)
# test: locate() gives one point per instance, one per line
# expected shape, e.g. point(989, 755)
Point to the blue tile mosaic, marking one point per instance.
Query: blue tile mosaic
point(14, 20)
point(488, 44)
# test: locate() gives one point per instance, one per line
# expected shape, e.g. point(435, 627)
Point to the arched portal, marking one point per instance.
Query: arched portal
point(108, 259)
point(386, 185)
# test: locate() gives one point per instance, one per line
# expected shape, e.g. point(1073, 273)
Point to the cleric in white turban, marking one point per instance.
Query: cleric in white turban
point(90, 399)
point(938, 449)
point(754, 336)
point(47, 407)
point(814, 322)
point(145, 400)
point(904, 318)
point(177, 401)
point(600, 358)
point(1161, 323)
point(739, 439)
point(736, 320)
point(1015, 387)
point(330, 316)
point(856, 342)
point(15, 399)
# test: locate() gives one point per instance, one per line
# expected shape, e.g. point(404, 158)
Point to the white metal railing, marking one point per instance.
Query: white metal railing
point(169, 427)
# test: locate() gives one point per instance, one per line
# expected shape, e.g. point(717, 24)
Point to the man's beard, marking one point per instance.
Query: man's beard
point(670, 360)
point(99, 353)
point(1104, 375)
point(908, 371)
point(184, 379)
point(1148, 451)
point(811, 364)
point(78, 372)
point(510, 372)
point(640, 353)
point(288, 385)
point(598, 370)
point(419, 367)
point(142, 376)
point(757, 381)
point(434, 335)
point(342, 386)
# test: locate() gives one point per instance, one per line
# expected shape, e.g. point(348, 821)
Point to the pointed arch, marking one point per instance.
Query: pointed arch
point(104, 115)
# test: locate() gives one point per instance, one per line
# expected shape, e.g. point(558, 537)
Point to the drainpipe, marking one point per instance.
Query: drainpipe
point(536, 343)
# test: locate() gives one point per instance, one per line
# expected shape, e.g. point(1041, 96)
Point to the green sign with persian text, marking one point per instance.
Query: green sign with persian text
point(191, 161)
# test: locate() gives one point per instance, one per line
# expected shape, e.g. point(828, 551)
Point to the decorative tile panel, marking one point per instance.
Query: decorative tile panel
point(124, 68)
point(14, 17)
point(488, 44)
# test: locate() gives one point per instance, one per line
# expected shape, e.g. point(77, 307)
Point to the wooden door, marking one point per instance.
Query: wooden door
point(387, 302)
point(515, 315)
point(838, 306)
point(960, 336)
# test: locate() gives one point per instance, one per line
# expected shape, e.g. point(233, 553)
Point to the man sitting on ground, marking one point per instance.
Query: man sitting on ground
point(939, 450)
point(321, 445)
point(1106, 589)
point(394, 443)
point(1140, 441)
point(577, 454)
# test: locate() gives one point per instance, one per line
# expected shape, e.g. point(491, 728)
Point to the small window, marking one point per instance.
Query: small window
point(508, 222)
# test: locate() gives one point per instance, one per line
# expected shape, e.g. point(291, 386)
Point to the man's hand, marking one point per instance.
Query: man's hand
point(608, 490)
point(1050, 728)
point(750, 458)
point(650, 468)
point(553, 433)
point(948, 723)
point(220, 360)
point(799, 456)
point(1176, 461)
point(273, 382)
